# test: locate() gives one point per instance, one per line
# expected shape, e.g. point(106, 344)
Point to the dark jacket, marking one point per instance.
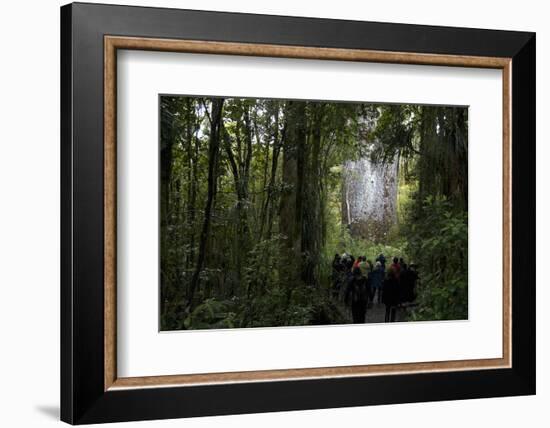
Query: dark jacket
point(408, 285)
point(382, 260)
point(376, 278)
point(357, 290)
point(390, 296)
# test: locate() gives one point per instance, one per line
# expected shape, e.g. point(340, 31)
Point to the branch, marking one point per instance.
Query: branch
point(206, 110)
point(230, 156)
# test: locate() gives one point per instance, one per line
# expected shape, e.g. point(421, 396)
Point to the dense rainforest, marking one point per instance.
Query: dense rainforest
point(258, 195)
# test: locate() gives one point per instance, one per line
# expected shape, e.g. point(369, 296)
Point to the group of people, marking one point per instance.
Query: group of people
point(359, 284)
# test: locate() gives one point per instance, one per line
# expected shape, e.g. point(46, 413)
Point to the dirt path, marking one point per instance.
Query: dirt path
point(376, 313)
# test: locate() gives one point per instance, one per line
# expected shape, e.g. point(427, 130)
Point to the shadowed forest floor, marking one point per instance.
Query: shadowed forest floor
point(375, 313)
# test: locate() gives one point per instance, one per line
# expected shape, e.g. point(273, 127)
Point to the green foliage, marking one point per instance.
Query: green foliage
point(406, 198)
point(396, 132)
point(344, 242)
point(265, 301)
point(211, 313)
point(438, 243)
point(305, 306)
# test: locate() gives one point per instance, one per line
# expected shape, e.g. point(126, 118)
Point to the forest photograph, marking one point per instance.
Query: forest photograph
point(280, 212)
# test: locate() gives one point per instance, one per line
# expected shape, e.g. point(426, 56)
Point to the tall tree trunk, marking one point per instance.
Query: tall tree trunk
point(191, 178)
point(268, 210)
point(311, 206)
point(240, 170)
point(462, 144)
point(168, 126)
point(166, 175)
point(290, 203)
point(213, 151)
point(427, 159)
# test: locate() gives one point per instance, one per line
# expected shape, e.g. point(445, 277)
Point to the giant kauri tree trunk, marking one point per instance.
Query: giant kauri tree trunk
point(369, 197)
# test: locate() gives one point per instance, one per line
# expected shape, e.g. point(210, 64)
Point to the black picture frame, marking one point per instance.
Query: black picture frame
point(83, 399)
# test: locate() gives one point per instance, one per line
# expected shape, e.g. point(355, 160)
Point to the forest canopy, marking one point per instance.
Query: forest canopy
point(257, 196)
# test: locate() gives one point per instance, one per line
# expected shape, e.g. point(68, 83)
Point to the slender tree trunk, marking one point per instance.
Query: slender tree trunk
point(265, 182)
point(462, 143)
point(268, 209)
point(213, 151)
point(240, 173)
point(165, 177)
point(190, 177)
point(290, 202)
point(166, 158)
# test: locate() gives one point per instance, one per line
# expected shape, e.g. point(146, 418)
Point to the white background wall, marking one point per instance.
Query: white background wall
point(29, 214)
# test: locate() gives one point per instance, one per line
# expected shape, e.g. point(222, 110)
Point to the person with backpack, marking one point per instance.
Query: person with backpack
point(382, 259)
point(357, 296)
point(390, 296)
point(411, 278)
point(357, 262)
point(337, 275)
point(365, 266)
point(376, 277)
point(396, 267)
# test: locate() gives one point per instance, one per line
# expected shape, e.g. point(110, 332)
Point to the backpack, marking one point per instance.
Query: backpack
point(358, 290)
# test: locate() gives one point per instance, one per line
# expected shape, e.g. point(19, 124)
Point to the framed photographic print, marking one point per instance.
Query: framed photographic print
point(265, 213)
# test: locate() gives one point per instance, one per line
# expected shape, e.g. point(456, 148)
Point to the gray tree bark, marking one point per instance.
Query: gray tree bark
point(369, 198)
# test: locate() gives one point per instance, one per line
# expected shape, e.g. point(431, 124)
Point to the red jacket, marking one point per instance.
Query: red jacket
point(396, 267)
